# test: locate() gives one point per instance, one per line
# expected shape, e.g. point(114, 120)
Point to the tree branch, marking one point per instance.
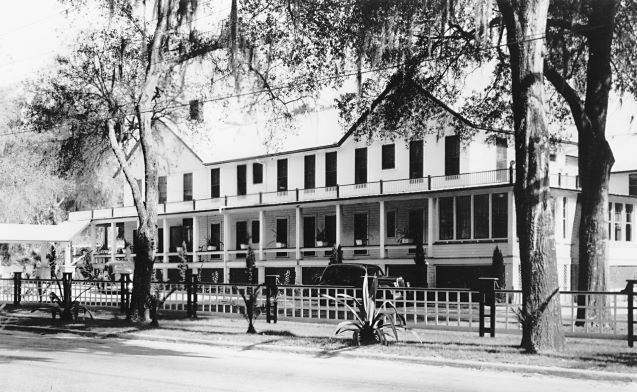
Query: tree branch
point(575, 28)
point(568, 93)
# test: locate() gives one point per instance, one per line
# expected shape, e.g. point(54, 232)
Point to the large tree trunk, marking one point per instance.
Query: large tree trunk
point(595, 162)
point(525, 21)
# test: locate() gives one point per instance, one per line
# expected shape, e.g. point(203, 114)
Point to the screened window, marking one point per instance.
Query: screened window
point(162, 188)
point(619, 209)
point(481, 216)
point(564, 217)
point(391, 224)
point(445, 225)
point(187, 186)
point(632, 184)
point(330, 169)
point(629, 222)
point(415, 158)
point(388, 156)
point(310, 171)
point(360, 228)
point(214, 182)
point(282, 174)
point(257, 173)
point(463, 217)
point(241, 180)
point(499, 215)
point(452, 155)
point(360, 165)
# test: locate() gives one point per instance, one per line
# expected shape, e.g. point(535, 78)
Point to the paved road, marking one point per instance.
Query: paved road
point(31, 362)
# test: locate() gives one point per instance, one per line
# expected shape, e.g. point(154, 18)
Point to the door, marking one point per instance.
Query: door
point(309, 234)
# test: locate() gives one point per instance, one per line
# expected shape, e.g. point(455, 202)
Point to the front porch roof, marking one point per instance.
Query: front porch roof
point(26, 233)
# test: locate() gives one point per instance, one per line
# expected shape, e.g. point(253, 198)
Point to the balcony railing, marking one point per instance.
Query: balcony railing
point(390, 187)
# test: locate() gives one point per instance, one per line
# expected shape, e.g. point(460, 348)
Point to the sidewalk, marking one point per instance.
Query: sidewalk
point(588, 359)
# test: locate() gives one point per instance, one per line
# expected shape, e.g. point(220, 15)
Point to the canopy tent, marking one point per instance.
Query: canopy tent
point(19, 233)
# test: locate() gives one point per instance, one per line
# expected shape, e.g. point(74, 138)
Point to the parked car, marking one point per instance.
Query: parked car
point(351, 274)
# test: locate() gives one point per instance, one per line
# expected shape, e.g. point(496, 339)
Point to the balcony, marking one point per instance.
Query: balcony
point(346, 191)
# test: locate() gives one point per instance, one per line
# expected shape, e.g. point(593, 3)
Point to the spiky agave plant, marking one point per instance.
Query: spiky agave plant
point(372, 324)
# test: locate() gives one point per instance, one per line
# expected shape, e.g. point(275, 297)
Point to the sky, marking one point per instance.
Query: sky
point(32, 32)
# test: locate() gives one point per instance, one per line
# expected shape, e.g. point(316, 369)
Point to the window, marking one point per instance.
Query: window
point(215, 238)
point(196, 110)
point(241, 180)
point(256, 233)
point(389, 156)
point(499, 215)
point(610, 218)
point(415, 225)
point(309, 234)
point(282, 231)
point(463, 217)
point(632, 184)
point(481, 216)
point(360, 165)
point(160, 240)
point(330, 169)
point(415, 158)
point(282, 175)
point(629, 222)
point(187, 186)
point(501, 163)
point(445, 217)
point(162, 188)
point(564, 217)
point(552, 157)
point(257, 173)
point(214, 182)
point(310, 172)
point(360, 229)
point(390, 222)
point(330, 229)
point(241, 234)
point(187, 233)
point(619, 208)
point(452, 155)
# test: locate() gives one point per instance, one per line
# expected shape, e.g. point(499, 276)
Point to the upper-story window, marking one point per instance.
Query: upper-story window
point(415, 158)
point(499, 215)
point(257, 173)
point(360, 165)
point(481, 216)
point(310, 171)
point(162, 186)
point(389, 156)
point(196, 110)
point(632, 184)
point(282, 175)
point(187, 186)
point(241, 180)
point(215, 177)
point(454, 214)
point(501, 153)
point(330, 169)
point(452, 155)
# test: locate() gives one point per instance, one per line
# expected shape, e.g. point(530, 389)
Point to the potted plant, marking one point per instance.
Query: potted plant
point(406, 237)
point(210, 245)
point(321, 238)
point(360, 241)
point(245, 242)
point(280, 245)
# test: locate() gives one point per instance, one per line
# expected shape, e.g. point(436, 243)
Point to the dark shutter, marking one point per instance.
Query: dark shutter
point(310, 172)
point(241, 180)
point(360, 165)
point(214, 183)
point(452, 155)
point(389, 156)
point(282, 175)
point(257, 173)
point(416, 159)
point(330, 168)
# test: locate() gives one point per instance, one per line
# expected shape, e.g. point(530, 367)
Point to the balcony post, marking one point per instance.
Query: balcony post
point(381, 186)
point(381, 228)
point(430, 226)
point(195, 238)
point(262, 235)
point(297, 194)
point(299, 229)
point(339, 224)
point(113, 238)
point(226, 246)
point(429, 182)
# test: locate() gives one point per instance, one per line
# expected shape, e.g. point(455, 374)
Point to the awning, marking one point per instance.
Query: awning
point(19, 233)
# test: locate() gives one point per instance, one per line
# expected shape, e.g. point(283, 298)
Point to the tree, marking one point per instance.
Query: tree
point(115, 90)
point(497, 266)
point(421, 265)
point(541, 312)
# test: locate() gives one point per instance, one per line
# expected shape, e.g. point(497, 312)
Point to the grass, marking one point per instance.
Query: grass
point(592, 354)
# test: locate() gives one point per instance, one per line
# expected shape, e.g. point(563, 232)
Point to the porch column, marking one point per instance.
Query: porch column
point(381, 229)
point(512, 233)
point(431, 225)
point(298, 232)
point(165, 240)
point(195, 238)
point(113, 236)
point(226, 246)
point(93, 234)
point(339, 225)
point(262, 235)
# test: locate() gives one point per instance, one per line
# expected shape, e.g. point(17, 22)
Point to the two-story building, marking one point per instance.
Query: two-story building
point(376, 198)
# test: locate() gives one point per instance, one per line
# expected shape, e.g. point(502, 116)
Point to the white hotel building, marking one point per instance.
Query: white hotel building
point(375, 198)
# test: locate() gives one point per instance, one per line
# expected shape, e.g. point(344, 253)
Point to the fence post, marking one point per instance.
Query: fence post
point(297, 194)
point(338, 192)
point(271, 293)
point(428, 182)
point(124, 293)
point(630, 293)
point(195, 289)
point(188, 292)
point(487, 298)
point(67, 281)
point(17, 288)
point(381, 186)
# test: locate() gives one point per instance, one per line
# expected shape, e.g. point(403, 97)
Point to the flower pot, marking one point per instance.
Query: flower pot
point(320, 244)
point(407, 241)
point(358, 242)
point(280, 245)
point(211, 248)
point(180, 249)
point(244, 246)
